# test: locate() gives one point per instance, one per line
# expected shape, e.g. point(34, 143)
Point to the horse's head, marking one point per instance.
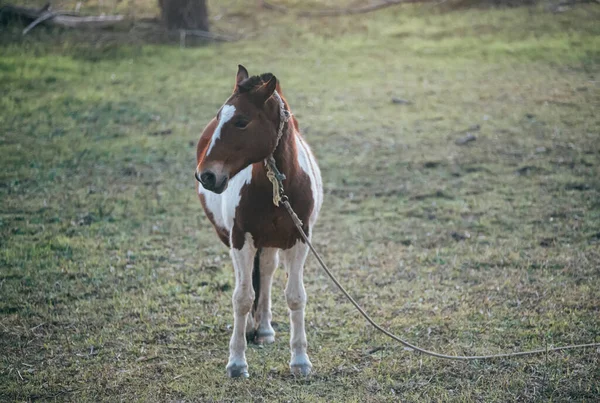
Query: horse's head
point(245, 131)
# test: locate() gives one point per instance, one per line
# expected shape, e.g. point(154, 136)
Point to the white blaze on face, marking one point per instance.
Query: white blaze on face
point(227, 113)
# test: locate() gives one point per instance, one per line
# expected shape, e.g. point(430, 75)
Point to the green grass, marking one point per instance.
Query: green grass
point(114, 287)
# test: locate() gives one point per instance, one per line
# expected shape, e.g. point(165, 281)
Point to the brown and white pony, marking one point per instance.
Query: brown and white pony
point(238, 199)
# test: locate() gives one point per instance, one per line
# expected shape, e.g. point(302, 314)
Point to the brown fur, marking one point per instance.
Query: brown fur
point(270, 226)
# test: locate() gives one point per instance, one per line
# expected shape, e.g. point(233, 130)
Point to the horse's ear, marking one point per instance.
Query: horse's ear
point(265, 91)
point(241, 75)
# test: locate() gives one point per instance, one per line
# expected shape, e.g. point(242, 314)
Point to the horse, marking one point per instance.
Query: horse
point(253, 125)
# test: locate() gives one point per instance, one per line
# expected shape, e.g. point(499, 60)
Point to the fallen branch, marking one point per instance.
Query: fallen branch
point(342, 11)
point(564, 5)
point(63, 19)
point(207, 35)
point(99, 22)
point(184, 33)
point(47, 15)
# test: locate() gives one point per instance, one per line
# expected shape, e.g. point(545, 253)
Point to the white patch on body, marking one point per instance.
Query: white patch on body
point(222, 206)
point(227, 113)
point(309, 166)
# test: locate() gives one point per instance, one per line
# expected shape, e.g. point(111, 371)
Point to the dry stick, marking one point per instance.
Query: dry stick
point(207, 35)
point(65, 19)
point(342, 11)
point(39, 20)
point(183, 33)
point(35, 327)
point(298, 224)
point(94, 21)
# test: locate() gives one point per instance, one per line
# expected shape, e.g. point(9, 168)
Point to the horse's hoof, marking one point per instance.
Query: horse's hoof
point(301, 370)
point(237, 371)
point(300, 366)
point(265, 337)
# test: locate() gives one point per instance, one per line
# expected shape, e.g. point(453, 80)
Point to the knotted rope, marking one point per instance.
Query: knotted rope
point(273, 173)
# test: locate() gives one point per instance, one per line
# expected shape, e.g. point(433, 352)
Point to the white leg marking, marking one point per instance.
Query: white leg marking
point(243, 297)
point(293, 260)
point(231, 199)
point(269, 260)
point(227, 113)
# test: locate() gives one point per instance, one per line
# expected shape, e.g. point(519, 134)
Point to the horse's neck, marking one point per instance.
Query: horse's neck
point(286, 159)
point(286, 153)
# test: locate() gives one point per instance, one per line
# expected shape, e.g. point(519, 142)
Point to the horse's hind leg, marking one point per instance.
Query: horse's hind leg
point(243, 297)
point(293, 260)
point(268, 264)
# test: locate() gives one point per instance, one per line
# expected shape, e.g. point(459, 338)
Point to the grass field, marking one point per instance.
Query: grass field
point(113, 286)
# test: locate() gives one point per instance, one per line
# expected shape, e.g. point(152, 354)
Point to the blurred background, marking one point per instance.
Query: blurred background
point(459, 146)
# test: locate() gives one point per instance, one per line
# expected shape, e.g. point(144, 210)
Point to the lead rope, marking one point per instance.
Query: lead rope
point(298, 224)
point(274, 175)
point(279, 196)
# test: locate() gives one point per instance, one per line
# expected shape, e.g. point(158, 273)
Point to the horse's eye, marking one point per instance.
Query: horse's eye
point(241, 123)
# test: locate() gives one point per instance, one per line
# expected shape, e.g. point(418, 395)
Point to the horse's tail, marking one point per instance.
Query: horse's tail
point(256, 280)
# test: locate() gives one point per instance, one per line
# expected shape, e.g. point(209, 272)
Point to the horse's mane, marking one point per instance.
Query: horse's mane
point(252, 82)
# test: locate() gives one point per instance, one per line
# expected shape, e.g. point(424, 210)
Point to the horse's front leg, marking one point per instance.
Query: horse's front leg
point(243, 297)
point(293, 260)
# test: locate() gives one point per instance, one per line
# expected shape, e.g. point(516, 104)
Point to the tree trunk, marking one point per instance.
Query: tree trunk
point(184, 14)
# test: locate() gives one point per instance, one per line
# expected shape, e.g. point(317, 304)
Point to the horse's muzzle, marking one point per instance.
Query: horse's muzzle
point(210, 181)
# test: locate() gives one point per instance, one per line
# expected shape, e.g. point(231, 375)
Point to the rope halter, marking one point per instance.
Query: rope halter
point(273, 173)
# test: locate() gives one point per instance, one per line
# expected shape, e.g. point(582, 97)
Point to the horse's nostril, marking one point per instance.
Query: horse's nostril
point(208, 179)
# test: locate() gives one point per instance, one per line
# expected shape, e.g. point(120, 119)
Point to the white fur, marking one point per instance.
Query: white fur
point(222, 206)
point(243, 296)
point(309, 165)
point(295, 295)
point(227, 113)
